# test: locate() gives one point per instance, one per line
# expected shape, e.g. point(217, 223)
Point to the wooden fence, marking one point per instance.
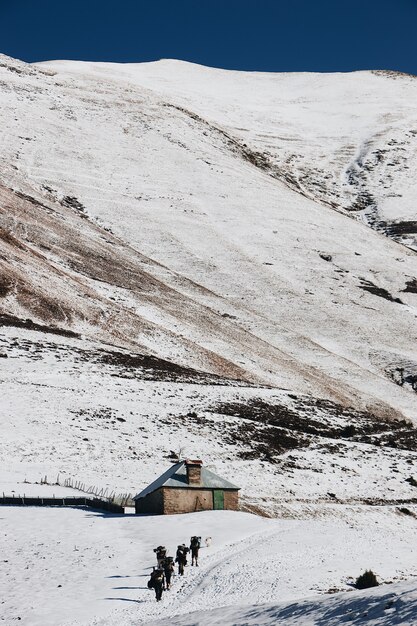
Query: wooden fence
point(123, 499)
point(92, 503)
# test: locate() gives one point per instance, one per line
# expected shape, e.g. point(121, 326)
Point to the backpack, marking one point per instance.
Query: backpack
point(181, 555)
point(195, 542)
point(157, 575)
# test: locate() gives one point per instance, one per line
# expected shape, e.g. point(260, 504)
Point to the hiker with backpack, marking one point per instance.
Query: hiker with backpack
point(181, 558)
point(160, 552)
point(168, 565)
point(156, 582)
point(195, 543)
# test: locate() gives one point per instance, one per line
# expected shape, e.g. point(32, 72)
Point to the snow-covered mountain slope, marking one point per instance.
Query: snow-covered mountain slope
point(147, 223)
point(105, 417)
point(347, 140)
point(181, 274)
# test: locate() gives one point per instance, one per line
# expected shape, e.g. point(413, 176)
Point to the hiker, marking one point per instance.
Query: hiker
point(156, 582)
point(181, 558)
point(195, 543)
point(168, 566)
point(161, 552)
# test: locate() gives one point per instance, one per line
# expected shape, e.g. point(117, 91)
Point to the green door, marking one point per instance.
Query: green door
point(218, 499)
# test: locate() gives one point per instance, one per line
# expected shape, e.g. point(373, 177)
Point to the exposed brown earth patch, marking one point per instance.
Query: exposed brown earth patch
point(116, 363)
point(53, 260)
point(11, 320)
point(268, 430)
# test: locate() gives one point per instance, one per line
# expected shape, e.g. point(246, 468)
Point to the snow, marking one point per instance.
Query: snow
point(395, 605)
point(207, 218)
point(102, 562)
point(364, 112)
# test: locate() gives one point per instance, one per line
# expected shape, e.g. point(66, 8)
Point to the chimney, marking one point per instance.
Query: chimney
point(193, 471)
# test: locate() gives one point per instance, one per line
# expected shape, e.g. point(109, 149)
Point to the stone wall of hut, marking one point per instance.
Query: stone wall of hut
point(231, 500)
point(152, 504)
point(187, 500)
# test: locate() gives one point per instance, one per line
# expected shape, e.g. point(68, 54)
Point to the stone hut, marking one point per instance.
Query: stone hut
point(187, 487)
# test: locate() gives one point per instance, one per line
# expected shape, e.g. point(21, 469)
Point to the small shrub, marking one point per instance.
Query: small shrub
point(366, 580)
point(349, 431)
point(405, 511)
point(325, 257)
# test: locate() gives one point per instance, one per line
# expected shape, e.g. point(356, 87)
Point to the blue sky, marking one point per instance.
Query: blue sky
point(267, 35)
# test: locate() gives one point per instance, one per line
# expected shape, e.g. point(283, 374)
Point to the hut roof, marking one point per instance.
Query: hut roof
point(176, 477)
